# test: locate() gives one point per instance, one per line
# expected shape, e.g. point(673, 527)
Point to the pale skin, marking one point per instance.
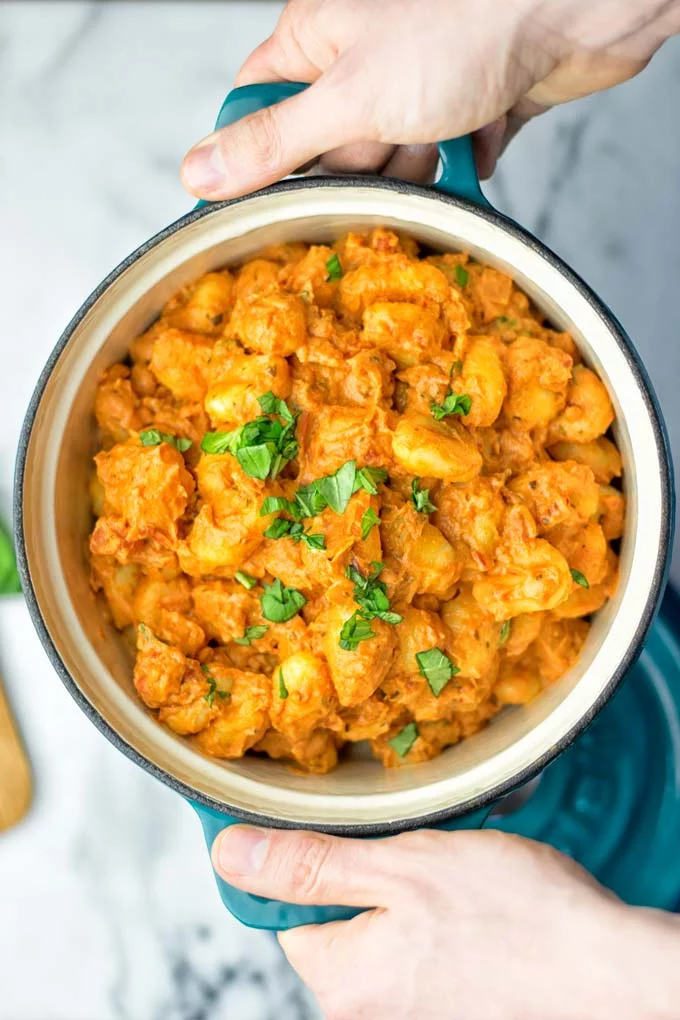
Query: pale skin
point(466, 925)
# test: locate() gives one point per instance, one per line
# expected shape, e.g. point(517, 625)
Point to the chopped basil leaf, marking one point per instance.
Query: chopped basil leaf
point(271, 404)
point(274, 503)
point(280, 603)
point(152, 437)
point(456, 367)
point(212, 687)
point(369, 478)
point(404, 740)
point(453, 403)
point(279, 528)
point(354, 630)
point(247, 580)
point(308, 501)
point(283, 690)
point(421, 498)
point(252, 634)
point(333, 268)
point(462, 275)
point(369, 520)
point(262, 446)
point(314, 541)
point(437, 669)
point(371, 595)
point(337, 489)
point(505, 633)
point(580, 578)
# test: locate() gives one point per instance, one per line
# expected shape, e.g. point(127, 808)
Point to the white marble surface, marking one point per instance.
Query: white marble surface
point(107, 904)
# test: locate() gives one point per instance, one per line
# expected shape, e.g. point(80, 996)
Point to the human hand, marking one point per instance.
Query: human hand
point(467, 926)
point(392, 76)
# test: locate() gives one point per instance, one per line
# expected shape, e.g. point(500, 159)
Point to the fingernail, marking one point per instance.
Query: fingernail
point(203, 168)
point(241, 849)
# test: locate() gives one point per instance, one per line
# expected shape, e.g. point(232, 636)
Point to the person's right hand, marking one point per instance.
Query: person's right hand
point(390, 77)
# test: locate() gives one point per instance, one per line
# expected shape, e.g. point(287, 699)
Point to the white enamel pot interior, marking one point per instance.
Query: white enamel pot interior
point(53, 516)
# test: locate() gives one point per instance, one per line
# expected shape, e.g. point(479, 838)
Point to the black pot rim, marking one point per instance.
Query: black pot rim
point(489, 797)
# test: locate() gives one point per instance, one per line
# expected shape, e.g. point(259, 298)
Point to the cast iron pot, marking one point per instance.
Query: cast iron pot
point(53, 516)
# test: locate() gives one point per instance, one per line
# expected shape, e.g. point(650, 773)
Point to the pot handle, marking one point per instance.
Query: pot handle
point(272, 915)
point(459, 173)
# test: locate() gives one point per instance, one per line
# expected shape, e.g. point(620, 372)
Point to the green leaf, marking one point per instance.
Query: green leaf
point(337, 489)
point(371, 595)
point(454, 403)
point(505, 633)
point(252, 634)
point(333, 268)
point(256, 461)
point(152, 437)
point(404, 740)
point(421, 498)
point(314, 541)
point(9, 577)
point(462, 275)
point(369, 521)
point(280, 603)
point(247, 580)
point(437, 669)
point(580, 578)
point(273, 504)
point(456, 367)
point(221, 442)
point(355, 630)
point(369, 478)
point(308, 501)
point(283, 690)
point(279, 528)
point(271, 404)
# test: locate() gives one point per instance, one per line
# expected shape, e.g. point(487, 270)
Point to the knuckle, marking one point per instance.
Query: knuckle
point(263, 139)
point(309, 865)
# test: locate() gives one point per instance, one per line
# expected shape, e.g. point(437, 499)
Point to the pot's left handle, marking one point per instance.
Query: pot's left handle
point(459, 173)
point(273, 915)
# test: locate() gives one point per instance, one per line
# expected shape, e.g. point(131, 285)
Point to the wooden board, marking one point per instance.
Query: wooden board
point(15, 774)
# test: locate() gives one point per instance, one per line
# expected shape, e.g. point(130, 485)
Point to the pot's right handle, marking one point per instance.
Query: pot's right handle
point(273, 915)
point(459, 173)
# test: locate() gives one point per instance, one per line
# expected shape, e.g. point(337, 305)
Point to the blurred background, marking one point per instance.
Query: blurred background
point(108, 909)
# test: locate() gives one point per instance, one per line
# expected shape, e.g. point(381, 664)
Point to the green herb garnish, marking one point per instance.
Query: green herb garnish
point(369, 478)
point(212, 687)
point(421, 498)
point(262, 446)
point(371, 595)
point(280, 603)
point(247, 580)
point(462, 275)
point(437, 669)
point(152, 437)
point(281, 528)
point(580, 578)
point(404, 740)
point(354, 630)
point(505, 633)
point(456, 367)
point(337, 489)
point(369, 521)
point(252, 634)
point(283, 690)
point(334, 491)
point(453, 403)
point(333, 268)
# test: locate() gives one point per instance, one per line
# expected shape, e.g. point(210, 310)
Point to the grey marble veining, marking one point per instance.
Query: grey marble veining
point(108, 909)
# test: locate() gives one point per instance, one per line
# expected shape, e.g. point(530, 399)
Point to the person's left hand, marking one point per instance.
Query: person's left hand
point(466, 926)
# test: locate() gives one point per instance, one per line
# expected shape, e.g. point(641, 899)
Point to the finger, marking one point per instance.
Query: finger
point(272, 143)
point(273, 60)
point(360, 158)
point(417, 163)
point(486, 144)
point(308, 867)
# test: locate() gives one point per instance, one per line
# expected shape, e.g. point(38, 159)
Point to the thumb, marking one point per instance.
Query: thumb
point(272, 143)
point(309, 867)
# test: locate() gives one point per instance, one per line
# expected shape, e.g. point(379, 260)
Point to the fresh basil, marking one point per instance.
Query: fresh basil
point(272, 404)
point(355, 630)
point(453, 403)
point(371, 595)
point(212, 687)
point(421, 498)
point(247, 580)
point(505, 633)
point(580, 578)
point(252, 634)
point(437, 669)
point(262, 446)
point(337, 489)
point(280, 603)
point(152, 437)
point(283, 690)
point(369, 521)
point(333, 268)
point(369, 478)
point(462, 276)
point(281, 528)
point(404, 740)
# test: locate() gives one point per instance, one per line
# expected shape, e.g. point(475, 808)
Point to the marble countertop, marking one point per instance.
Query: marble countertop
point(107, 905)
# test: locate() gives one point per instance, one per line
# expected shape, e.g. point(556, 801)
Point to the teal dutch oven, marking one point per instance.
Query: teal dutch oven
point(459, 788)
